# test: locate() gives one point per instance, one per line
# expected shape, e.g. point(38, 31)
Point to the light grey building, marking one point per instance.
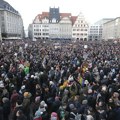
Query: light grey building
point(11, 21)
point(30, 31)
point(96, 30)
point(111, 29)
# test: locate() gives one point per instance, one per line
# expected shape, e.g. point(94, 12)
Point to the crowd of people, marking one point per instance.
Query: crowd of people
point(59, 80)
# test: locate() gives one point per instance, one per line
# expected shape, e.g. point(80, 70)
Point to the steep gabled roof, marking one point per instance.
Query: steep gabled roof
point(44, 14)
point(62, 15)
point(41, 16)
point(73, 19)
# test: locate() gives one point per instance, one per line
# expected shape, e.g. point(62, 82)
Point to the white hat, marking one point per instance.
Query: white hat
point(70, 79)
point(43, 104)
point(1, 82)
point(2, 85)
point(104, 88)
point(105, 76)
point(90, 91)
point(115, 79)
point(32, 76)
point(35, 77)
point(23, 87)
point(89, 117)
point(51, 83)
point(86, 82)
point(3, 75)
point(7, 79)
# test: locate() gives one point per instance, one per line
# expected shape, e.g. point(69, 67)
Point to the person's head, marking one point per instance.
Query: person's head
point(54, 116)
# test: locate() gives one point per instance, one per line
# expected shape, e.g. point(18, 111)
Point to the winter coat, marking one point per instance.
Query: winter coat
point(22, 117)
point(1, 113)
point(6, 110)
point(13, 116)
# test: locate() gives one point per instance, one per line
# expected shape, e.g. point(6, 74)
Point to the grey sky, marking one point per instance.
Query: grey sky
point(93, 10)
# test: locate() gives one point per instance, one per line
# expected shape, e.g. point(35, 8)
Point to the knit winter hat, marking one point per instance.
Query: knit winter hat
point(43, 104)
point(71, 106)
point(54, 114)
point(5, 99)
point(84, 102)
point(27, 95)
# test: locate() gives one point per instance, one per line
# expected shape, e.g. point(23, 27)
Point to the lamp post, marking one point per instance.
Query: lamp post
point(0, 34)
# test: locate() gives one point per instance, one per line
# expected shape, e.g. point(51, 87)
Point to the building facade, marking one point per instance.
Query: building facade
point(111, 29)
point(96, 30)
point(41, 26)
point(80, 28)
point(56, 25)
point(11, 21)
point(65, 27)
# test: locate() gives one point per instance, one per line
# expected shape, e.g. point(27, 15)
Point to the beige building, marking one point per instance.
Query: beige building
point(111, 29)
point(11, 21)
point(80, 28)
point(65, 26)
point(59, 26)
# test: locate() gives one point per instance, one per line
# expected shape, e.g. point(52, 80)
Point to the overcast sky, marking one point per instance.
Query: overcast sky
point(93, 10)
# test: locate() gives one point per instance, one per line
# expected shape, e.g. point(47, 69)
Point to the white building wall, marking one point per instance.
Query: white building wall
point(0, 25)
point(54, 30)
point(95, 32)
point(41, 29)
point(13, 24)
point(111, 29)
point(80, 28)
point(65, 28)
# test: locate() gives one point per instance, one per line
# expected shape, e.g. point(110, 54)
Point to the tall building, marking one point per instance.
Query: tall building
point(11, 21)
point(54, 15)
point(80, 28)
point(56, 25)
point(41, 26)
point(65, 26)
point(96, 30)
point(111, 29)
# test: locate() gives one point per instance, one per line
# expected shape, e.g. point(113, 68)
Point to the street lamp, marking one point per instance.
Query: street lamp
point(0, 33)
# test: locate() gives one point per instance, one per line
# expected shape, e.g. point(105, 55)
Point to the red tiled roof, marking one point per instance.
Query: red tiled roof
point(65, 15)
point(73, 19)
point(36, 17)
point(41, 16)
point(44, 14)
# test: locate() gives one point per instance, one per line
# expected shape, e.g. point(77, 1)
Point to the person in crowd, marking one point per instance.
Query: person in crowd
point(44, 81)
